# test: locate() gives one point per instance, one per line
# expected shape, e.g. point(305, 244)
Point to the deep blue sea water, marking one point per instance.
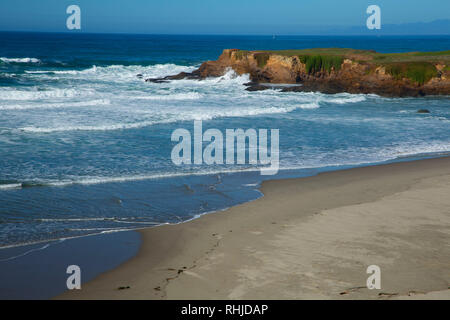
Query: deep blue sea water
point(85, 144)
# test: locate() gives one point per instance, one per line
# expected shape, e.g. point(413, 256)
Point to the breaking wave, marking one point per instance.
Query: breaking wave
point(87, 103)
point(175, 96)
point(173, 117)
point(358, 156)
point(114, 73)
point(20, 60)
point(36, 94)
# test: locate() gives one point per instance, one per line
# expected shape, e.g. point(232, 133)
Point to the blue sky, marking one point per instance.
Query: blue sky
point(212, 16)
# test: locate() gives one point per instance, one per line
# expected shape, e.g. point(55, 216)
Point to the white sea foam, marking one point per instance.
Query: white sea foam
point(358, 156)
point(10, 186)
point(138, 222)
point(75, 219)
point(105, 127)
point(309, 97)
point(51, 72)
point(347, 98)
point(182, 115)
point(87, 103)
point(229, 78)
point(121, 179)
point(37, 71)
point(408, 150)
point(367, 155)
point(35, 94)
point(92, 229)
point(114, 219)
point(175, 96)
point(115, 73)
point(8, 75)
point(130, 220)
point(20, 60)
point(309, 106)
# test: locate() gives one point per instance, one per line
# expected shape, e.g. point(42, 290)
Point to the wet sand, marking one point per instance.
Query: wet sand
point(38, 271)
point(307, 238)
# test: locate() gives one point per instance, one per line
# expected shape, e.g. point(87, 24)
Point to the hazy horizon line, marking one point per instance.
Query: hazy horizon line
point(439, 27)
point(226, 34)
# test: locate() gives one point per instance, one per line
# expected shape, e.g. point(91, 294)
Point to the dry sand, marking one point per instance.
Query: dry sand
point(308, 238)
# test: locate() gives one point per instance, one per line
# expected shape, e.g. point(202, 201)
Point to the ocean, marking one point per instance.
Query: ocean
point(85, 144)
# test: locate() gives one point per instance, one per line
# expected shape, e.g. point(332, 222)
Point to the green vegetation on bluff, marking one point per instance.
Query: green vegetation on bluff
point(241, 54)
point(436, 56)
point(416, 66)
point(321, 63)
point(419, 72)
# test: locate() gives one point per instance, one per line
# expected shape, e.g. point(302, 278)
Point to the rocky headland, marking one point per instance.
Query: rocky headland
point(333, 70)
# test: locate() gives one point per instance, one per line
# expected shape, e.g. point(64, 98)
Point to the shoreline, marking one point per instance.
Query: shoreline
point(286, 173)
point(225, 255)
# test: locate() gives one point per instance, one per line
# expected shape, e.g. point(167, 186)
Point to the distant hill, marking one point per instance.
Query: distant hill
point(437, 27)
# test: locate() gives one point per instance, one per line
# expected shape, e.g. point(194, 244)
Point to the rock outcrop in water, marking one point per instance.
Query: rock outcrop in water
point(334, 71)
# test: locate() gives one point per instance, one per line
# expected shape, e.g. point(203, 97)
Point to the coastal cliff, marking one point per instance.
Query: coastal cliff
point(334, 70)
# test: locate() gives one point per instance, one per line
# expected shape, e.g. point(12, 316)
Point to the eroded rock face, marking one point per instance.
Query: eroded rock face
point(353, 76)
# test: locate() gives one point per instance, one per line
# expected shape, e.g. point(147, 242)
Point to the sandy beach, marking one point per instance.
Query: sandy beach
point(307, 238)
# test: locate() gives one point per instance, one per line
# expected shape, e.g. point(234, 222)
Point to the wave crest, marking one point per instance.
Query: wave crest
point(15, 94)
point(87, 103)
point(20, 60)
point(172, 117)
